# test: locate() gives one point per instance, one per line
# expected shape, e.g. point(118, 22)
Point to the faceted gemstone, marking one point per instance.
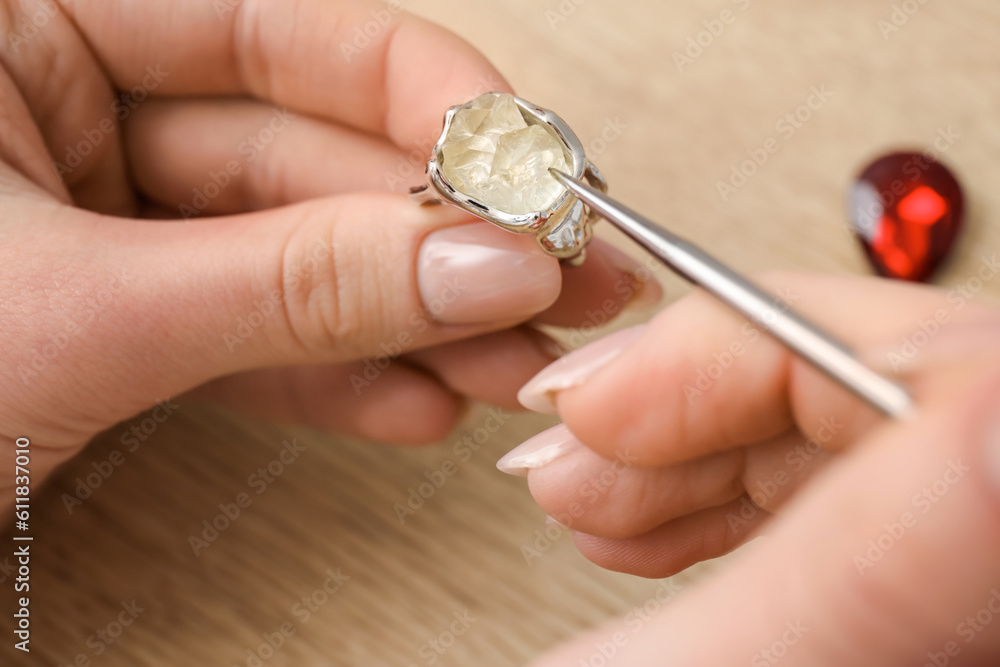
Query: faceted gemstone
point(907, 210)
point(492, 154)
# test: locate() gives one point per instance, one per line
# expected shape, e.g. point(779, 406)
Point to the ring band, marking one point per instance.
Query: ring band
point(497, 149)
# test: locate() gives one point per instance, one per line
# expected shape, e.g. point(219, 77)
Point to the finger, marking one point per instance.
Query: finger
point(405, 406)
point(329, 281)
point(615, 499)
point(489, 368)
point(209, 158)
point(676, 545)
point(215, 157)
point(861, 570)
point(700, 379)
point(367, 66)
point(362, 64)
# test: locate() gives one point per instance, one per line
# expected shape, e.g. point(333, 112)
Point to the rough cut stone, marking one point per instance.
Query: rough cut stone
point(493, 155)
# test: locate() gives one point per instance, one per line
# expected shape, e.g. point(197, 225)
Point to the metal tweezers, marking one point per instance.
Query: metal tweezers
point(797, 333)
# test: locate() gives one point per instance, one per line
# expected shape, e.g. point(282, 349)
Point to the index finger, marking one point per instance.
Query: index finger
point(701, 379)
point(370, 66)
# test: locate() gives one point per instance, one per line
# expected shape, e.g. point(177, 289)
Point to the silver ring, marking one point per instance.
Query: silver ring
point(487, 130)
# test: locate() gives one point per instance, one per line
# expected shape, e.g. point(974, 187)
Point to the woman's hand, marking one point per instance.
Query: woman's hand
point(687, 437)
point(273, 134)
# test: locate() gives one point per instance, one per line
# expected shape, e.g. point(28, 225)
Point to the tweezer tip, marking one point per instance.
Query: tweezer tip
point(558, 175)
point(567, 181)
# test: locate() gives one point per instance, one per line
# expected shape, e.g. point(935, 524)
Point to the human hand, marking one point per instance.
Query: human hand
point(271, 127)
point(887, 556)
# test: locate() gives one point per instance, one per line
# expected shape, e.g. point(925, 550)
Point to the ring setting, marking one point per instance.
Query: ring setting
point(493, 159)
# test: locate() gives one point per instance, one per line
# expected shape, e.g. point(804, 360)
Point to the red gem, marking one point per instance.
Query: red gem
point(907, 210)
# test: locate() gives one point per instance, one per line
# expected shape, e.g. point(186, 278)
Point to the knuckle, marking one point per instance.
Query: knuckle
point(329, 286)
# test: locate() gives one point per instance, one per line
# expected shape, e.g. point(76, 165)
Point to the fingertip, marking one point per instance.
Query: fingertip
point(432, 65)
point(616, 556)
point(675, 545)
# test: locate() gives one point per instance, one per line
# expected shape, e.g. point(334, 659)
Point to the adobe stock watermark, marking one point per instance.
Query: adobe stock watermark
point(224, 7)
point(431, 651)
point(28, 26)
point(414, 162)
point(589, 493)
point(258, 482)
point(562, 12)
point(121, 108)
point(699, 43)
point(84, 314)
point(724, 360)
point(629, 288)
point(928, 328)
point(923, 502)
point(756, 499)
point(611, 132)
point(786, 127)
point(636, 620)
point(967, 630)
point(899, 16)
point(462, 451)
point(105, 637)
point(131, 439)
point(249, 150)
point(365, 34)
point(264, 309)
point(303, 611)
point(418, 323)
point(772, 655)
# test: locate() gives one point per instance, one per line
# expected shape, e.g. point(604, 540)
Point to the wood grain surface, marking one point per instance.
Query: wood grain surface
point(401, 588)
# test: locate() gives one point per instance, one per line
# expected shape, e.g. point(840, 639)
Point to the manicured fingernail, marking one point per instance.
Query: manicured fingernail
point(539, 451)
point(646, 291)
point(574, 369)
point(478, 273)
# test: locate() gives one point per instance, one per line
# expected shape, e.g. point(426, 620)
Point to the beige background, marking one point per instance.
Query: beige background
point(334, 506)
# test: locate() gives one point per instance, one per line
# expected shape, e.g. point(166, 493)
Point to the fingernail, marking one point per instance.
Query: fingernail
point(574, 369)
point(478, 273)
point(647, 292)
point(539, 451)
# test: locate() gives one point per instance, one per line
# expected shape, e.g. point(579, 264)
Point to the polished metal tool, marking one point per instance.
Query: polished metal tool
point(801, 336)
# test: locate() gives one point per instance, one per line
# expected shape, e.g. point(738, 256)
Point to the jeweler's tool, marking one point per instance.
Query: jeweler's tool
point(797, 333)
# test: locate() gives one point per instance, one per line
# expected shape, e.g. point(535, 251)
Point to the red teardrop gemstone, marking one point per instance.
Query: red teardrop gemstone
point(906, 210)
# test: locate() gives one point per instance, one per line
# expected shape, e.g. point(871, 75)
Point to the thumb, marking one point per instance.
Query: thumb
point(343, 278)
point(324, 281)
point(891, 558)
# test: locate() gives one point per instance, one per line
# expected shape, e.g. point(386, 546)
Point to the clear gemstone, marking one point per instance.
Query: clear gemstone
point(492, 154)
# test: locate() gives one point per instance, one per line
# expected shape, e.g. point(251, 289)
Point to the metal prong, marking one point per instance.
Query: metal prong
point(424, 195)
point(801, 336)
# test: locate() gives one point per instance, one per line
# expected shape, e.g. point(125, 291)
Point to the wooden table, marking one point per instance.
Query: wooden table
point(318, 561)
